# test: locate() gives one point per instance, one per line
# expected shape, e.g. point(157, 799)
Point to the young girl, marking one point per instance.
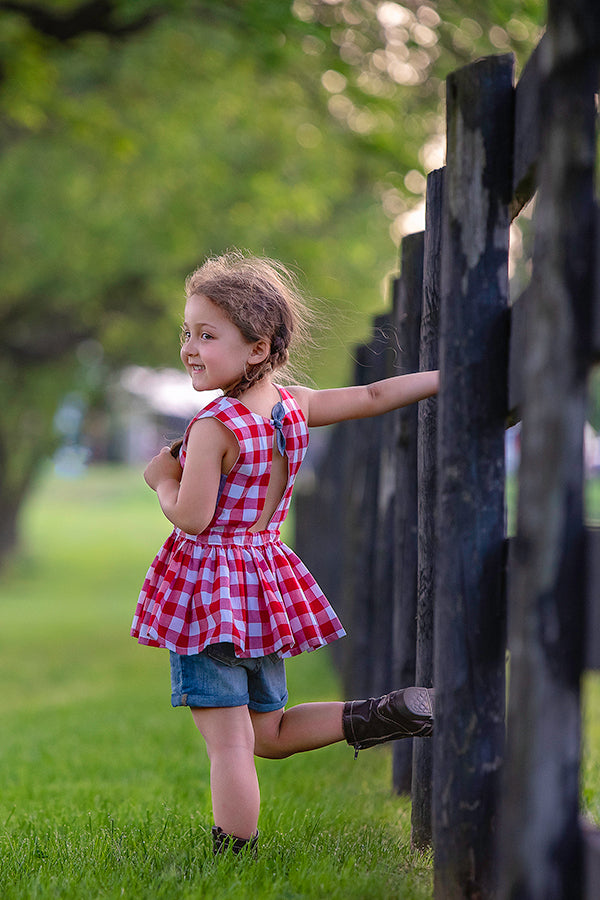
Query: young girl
point(224, 594)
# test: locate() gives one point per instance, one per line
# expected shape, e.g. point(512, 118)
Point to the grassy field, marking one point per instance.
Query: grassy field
point(104, 788)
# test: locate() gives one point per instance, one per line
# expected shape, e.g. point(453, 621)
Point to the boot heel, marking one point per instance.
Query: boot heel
point(419, 701)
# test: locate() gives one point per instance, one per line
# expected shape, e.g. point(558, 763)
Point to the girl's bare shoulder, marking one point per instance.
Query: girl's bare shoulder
point(302, 396)
point(209, 432)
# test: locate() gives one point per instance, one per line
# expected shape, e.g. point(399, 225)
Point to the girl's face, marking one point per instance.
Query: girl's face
point(214, 351)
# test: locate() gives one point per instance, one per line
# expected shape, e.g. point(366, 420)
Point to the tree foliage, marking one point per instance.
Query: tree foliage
point(137, 136)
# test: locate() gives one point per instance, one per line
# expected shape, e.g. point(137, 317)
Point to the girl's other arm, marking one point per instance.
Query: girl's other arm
point(360, 401)
point(188, 498)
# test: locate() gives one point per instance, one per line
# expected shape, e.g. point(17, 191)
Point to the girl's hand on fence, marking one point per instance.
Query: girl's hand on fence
point(162, 468)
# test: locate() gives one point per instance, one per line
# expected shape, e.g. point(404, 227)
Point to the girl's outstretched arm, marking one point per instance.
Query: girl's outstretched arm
point(360, 401)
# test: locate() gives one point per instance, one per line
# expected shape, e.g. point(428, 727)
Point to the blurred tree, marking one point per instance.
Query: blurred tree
point(137, 136)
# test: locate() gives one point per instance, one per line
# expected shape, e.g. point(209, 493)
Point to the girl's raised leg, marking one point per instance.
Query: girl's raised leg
point(304, 727)
point(229, 737)
point(403, 713)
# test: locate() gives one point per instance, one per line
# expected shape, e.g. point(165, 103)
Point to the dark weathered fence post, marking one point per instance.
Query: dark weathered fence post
point(427, 492)
point(384, 436)
point(407, 321)
point(541, 843)
point(320, 533)
point(360, 516)
point(469, 616)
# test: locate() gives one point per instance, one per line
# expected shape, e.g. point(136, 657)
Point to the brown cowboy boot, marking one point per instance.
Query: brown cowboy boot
point(399, 714)
point(223, 842)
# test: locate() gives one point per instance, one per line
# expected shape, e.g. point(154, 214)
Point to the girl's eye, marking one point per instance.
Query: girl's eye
point(206, 336)
point(184, 336)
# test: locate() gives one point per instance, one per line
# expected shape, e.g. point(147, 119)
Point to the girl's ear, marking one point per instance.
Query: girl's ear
point(259, 352)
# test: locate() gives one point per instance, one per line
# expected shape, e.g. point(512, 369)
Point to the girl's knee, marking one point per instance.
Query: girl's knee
point(267, 735)
point(223, 727)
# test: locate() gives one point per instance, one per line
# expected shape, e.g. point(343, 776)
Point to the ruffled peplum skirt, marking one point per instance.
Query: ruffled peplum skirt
point(234, 586)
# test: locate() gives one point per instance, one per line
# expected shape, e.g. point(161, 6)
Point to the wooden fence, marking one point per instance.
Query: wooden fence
point(404, 524)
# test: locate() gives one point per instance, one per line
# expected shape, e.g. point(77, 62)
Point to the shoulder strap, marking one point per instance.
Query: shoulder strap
point(209, 411)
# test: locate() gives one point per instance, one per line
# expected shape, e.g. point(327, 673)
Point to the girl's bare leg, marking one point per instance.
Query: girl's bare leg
point(304, 727)
point(234, 735)
point(229, 737)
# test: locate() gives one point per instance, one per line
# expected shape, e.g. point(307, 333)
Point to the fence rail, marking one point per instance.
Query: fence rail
point(405, 522)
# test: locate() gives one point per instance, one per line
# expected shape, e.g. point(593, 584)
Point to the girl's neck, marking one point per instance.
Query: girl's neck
point(260, 398)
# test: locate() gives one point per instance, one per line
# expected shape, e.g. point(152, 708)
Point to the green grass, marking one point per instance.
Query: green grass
point(104, 788)
point(590, 768)
point(591, 503)
point(592, 499)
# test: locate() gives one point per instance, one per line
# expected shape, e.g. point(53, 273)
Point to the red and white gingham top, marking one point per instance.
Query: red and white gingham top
point(228, 583)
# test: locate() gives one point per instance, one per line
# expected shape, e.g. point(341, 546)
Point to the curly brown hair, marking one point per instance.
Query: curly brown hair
point(262, 299)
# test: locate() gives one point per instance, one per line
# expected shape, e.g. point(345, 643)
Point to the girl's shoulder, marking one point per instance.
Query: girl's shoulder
point(299, 396)
point(213, 416)
point(212, 408)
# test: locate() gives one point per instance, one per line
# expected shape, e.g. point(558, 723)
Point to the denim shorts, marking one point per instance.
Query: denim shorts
point(217, 677)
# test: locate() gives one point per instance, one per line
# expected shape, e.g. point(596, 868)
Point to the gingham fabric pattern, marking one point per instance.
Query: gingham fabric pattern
point(231, 584)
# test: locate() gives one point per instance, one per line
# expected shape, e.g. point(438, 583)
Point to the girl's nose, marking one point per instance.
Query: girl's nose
point(188, 353)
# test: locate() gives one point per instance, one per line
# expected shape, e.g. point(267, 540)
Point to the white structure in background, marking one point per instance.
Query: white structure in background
point(153, 408)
